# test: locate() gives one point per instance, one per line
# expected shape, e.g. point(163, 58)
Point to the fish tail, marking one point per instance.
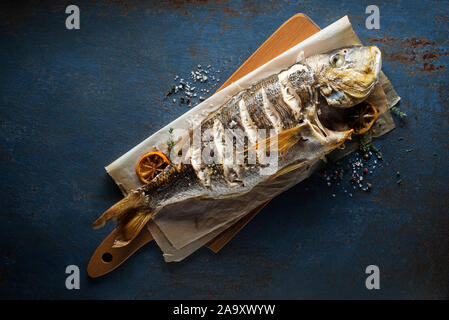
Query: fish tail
point(132, 201)
point(132, 214)
point(134, 211)
point(130, 226)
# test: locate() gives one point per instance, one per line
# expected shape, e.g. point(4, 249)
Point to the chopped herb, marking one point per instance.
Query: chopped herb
point(170, 143)
point(366, 148)
point(398, 112)
point(171, 90)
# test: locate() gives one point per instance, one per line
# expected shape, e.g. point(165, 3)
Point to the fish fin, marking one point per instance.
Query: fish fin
point(281, 142)
point(337, 139)
point(287, 169)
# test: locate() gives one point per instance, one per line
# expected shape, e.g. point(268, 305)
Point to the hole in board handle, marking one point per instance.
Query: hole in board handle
point(106, 257)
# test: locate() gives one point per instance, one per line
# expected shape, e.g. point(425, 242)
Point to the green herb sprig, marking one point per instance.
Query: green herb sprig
point(398, 112)
point(365, 148)
point(170, 143)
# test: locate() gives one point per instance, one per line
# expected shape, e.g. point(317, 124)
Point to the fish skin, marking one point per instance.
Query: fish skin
point(287, 105)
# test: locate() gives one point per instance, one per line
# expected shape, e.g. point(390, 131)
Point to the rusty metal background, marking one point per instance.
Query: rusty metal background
point(74, 100)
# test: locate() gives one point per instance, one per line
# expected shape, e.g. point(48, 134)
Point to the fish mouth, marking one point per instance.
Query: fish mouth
point(375, 68)
point(377, 64)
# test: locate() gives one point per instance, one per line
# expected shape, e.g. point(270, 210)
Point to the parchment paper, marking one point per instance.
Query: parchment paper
point(182, 228)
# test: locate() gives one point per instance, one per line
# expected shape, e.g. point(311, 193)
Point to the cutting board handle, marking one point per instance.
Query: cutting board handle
point(106, 258)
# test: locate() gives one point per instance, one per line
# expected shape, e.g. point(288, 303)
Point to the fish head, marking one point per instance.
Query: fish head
point(347, 76)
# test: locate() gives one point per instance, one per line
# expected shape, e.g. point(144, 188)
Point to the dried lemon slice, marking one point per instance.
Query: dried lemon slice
point(150, 165)
point(365, 117)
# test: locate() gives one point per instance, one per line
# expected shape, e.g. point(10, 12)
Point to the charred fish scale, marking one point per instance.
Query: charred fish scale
point(272, 89)
point(163, 183)
point(288, 102)
point(233, 125)
point(255, 105)
point(301, 76)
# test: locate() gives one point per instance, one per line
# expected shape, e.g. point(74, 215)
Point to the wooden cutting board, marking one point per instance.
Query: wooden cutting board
point(293, 31)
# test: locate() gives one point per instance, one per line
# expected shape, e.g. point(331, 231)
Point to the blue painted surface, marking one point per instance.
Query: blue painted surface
point(73, 101)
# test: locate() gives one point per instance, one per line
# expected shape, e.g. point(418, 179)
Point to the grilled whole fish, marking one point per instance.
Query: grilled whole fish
point(298, 115)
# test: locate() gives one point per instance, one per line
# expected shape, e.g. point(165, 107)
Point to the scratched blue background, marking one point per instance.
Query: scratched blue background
point(73, 101)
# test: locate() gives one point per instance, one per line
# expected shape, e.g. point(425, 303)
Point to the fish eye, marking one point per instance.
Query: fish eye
point(337, 60)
